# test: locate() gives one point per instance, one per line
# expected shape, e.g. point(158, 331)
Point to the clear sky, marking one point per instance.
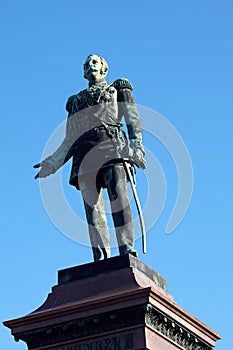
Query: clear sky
point(179, 57)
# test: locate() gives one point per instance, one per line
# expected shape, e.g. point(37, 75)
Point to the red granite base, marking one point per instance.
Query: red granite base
point(116, 304)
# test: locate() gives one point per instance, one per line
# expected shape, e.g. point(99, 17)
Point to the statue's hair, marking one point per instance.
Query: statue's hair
point(104, 68)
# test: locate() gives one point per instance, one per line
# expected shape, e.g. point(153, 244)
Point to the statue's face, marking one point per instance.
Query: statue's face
point(93, 68)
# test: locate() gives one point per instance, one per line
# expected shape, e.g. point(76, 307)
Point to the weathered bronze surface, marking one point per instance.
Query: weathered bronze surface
point(97, 145)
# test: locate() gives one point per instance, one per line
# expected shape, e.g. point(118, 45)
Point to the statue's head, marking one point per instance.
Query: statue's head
point(95, 68)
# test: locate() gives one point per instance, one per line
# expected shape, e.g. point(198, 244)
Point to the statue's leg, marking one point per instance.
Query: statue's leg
point(116, 182)
point(96, 219)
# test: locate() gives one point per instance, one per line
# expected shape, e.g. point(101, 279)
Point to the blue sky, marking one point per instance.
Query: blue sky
point(179, 57)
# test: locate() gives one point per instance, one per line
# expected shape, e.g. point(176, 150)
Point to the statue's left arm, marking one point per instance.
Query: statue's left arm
point(134, 127)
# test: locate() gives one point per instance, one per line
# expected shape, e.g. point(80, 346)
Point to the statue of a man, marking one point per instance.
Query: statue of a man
point(97, 144)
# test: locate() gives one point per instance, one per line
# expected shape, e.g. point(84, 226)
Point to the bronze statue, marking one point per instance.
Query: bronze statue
point(98, 146)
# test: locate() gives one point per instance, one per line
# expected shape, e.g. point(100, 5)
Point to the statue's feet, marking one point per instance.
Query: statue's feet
point(124, 250)
point(100, 253)
point(133, 252)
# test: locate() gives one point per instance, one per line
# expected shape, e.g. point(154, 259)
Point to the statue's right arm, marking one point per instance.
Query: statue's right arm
point(52, 163)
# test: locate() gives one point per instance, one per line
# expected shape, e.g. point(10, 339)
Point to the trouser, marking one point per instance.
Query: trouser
point(114, 179)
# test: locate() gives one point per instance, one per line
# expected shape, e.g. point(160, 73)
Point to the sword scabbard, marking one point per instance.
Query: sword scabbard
point(137, 202)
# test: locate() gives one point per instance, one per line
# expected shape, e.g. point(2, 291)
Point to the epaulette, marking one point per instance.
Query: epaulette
point(122, 83)
point(69, 104)
point(73, 100)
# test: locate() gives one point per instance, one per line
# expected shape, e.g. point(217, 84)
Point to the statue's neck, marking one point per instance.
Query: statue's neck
point(97, 82)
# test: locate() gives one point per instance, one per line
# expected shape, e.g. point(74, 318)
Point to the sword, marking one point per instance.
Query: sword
point(137, 202)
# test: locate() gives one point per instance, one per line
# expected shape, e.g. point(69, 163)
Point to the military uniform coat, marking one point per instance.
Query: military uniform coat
point(94, 136)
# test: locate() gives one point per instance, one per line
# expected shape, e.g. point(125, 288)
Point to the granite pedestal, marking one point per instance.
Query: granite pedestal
point(115, 304)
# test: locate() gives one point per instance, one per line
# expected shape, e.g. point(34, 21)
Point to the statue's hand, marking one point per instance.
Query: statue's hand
point(138, 157)
point(45, 170)
point(135, 153)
